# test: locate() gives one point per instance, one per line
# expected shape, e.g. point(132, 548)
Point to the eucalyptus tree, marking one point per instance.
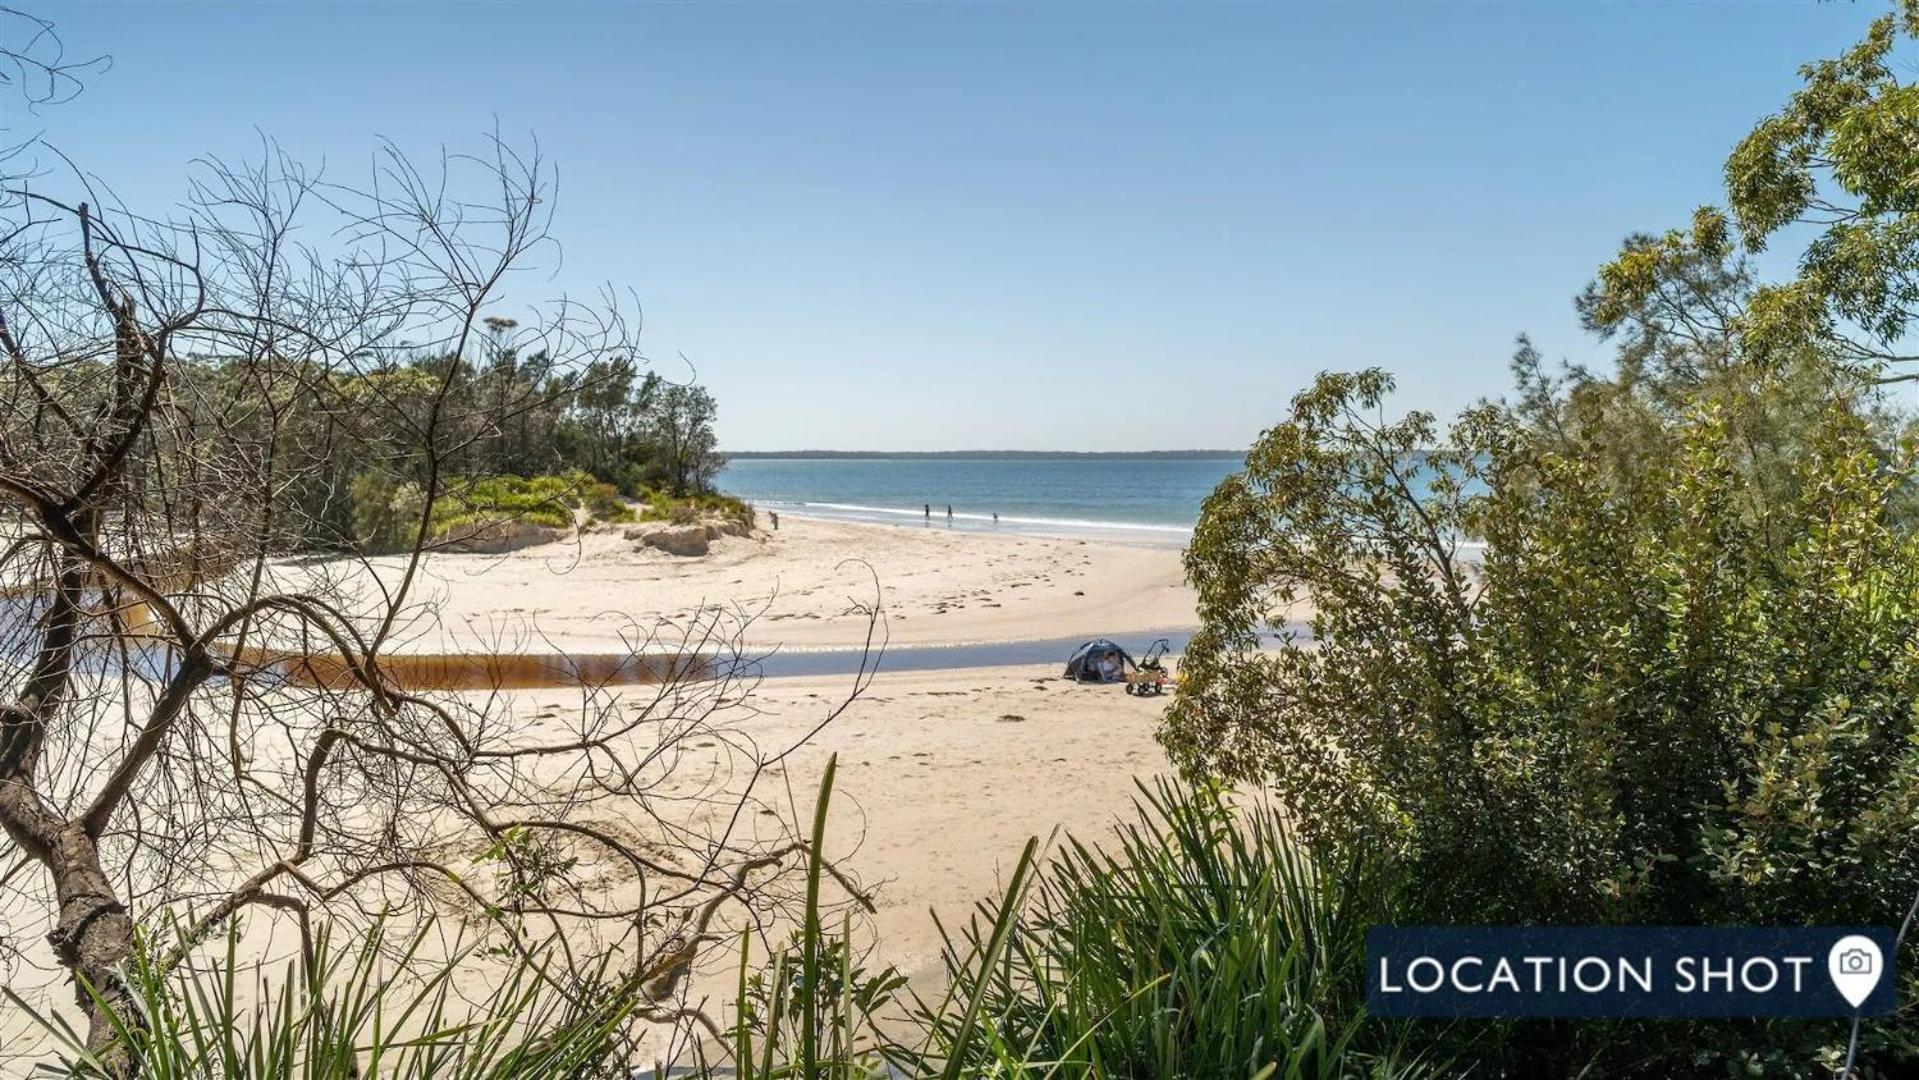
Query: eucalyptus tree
point(1630, 646)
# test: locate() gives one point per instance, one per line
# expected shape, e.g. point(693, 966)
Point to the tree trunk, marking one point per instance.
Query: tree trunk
point(93, 938)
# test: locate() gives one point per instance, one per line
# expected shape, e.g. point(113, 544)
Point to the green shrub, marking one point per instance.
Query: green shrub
point(1206, 943)
point(386, 512)
point(605, 504)
point(471, 504)
point(635, 480)
point(658, 505)
point(1677, 691)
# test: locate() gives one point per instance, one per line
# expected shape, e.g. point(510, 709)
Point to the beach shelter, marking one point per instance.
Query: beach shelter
point(1098, 660)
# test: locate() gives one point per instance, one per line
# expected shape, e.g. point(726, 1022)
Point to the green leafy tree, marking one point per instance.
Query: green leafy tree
point(1835, 164)
point(1636, 703)
point(680, 430)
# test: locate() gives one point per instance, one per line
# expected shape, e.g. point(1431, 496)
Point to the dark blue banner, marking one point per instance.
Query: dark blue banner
point(1622, 971)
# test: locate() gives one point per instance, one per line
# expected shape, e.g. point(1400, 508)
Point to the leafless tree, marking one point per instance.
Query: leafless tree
point(34, 63)
point(209, 708)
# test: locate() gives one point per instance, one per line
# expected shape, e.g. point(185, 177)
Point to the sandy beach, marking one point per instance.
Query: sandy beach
point(943, 774)
point(942, 777)
point(808, 585)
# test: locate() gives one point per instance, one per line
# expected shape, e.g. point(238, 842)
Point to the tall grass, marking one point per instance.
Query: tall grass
point(810, 1011)
point(342, 1013)
point(1201, 943)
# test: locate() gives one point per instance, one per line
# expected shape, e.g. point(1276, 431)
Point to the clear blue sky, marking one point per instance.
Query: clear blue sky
point(1045, 226)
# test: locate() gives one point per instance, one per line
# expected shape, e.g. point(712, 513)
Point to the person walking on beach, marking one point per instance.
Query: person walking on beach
point(929, 511)
point(949, 513)
point(995, 519)
point(775, 515)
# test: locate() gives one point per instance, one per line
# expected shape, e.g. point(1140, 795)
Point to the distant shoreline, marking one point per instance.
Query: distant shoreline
point(1005, 455)
point(1126, 533)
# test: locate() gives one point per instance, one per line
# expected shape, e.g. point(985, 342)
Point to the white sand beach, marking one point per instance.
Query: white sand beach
point(942, 777)
point(943, 774)
point(808, 585)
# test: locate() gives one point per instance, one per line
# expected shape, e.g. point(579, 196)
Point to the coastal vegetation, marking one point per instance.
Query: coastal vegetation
point(1203, 942)
point(526, 439)
point(200, 412)
point(1626, 647)
point(1200, 939)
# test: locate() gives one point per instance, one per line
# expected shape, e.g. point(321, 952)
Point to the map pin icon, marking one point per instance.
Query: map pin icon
point(1855, 965)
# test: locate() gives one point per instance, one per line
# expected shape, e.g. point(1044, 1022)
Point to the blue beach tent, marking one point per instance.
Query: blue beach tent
point(1099, 660)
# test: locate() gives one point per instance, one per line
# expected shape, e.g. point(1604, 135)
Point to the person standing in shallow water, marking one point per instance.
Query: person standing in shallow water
point(929, 511)
point(949, 513)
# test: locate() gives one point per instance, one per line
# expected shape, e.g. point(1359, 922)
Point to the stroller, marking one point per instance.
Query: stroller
point(1151, 674)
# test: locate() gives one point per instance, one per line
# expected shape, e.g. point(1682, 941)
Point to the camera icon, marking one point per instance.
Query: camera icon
point(1855, 962)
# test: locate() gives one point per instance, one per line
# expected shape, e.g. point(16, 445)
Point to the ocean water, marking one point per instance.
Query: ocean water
point(1145, 500)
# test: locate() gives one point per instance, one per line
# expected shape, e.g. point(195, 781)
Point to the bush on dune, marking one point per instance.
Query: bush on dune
point(387, 512)
point(658, 505)
point(605, 504)
point(539, 500)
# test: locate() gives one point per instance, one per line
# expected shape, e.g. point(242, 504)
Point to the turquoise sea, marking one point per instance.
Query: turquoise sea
point(1143, 499)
